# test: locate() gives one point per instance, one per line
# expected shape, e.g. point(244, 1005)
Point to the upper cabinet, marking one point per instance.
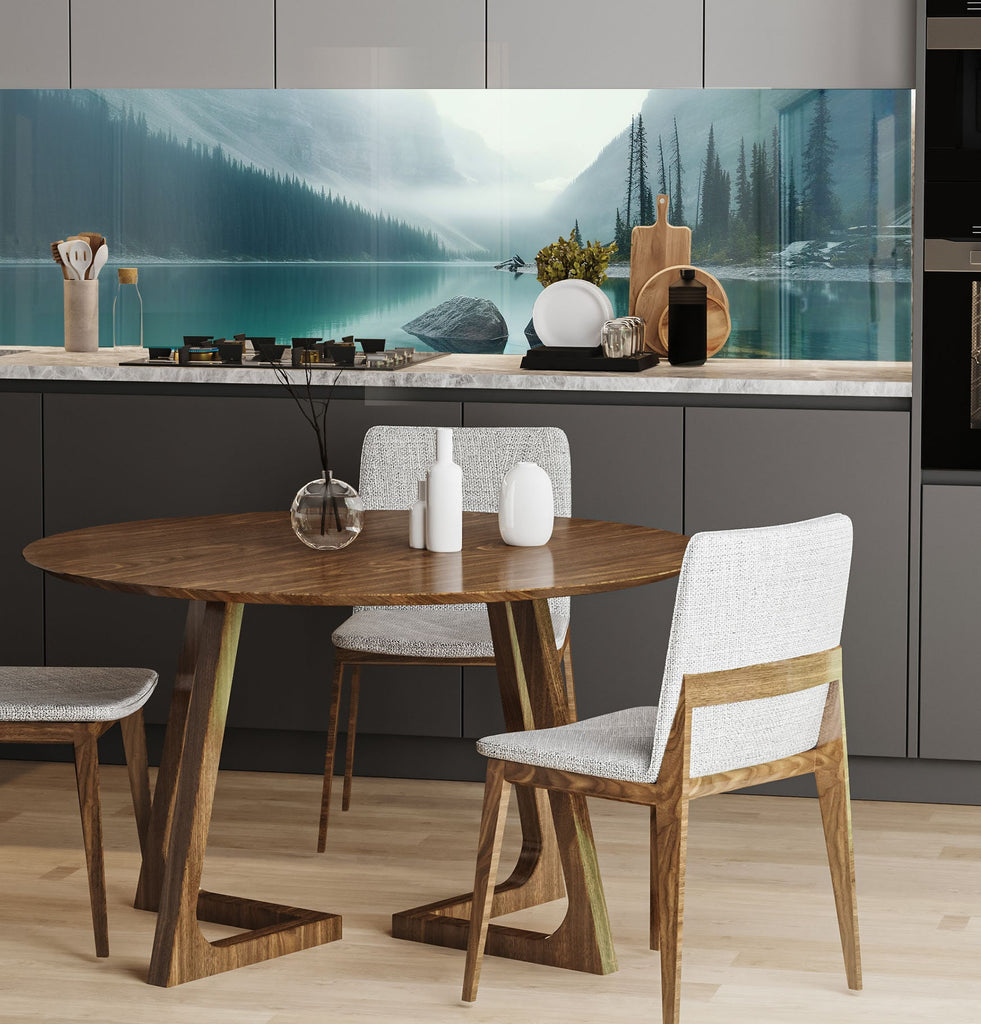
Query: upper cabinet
point(581, 44)
point(803, 44)
point(180, 44)
point(380, 44)
point(34, 44)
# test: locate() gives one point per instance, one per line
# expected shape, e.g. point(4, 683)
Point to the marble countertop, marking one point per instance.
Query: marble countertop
point(844, 379)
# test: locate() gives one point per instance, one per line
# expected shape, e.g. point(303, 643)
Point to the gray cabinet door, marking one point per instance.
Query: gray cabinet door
point(580, 44)
point(799, 44)
point(115, 458)
point(21, 521)
point(626, 466)
point(950, 612)
point(180, 44)
point(34, 44)
point(380, 44)
point(757, 467)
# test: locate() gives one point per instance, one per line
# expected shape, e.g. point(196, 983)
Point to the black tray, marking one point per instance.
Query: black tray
point(553, 357)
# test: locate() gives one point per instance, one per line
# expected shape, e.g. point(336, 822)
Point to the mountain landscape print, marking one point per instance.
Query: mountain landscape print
point(315, 212)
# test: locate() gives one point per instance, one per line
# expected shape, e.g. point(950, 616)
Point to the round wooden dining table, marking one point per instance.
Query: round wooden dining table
point(221, 563)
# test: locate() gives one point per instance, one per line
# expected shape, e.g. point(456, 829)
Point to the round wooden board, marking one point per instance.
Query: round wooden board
point(652, 301)
point(717, 328)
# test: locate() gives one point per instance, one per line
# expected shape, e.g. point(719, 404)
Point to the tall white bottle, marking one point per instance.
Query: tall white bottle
point(444, 497)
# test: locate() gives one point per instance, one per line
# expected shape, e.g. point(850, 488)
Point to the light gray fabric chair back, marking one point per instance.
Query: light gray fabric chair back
point(393, 459)
point(746, 597)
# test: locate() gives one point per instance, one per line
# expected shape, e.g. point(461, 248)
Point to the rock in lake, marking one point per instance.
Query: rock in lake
point(461, 324)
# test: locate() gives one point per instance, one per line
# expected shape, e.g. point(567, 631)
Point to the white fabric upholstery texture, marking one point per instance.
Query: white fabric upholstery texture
point(745, 597)
point(392, 460)
point(56, 694)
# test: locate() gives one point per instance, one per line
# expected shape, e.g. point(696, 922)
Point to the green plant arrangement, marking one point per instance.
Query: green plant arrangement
point(567, 258)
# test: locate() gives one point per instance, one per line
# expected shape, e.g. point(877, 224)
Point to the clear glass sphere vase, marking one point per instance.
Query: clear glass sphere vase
point(327, 514)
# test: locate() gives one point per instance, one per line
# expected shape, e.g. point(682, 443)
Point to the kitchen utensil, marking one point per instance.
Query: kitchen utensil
point(79, 256)
point(654, 247)
point(718, 326)
point(652, 302)
point(571, 313)
point(98, 261)
point(56, 256)
point(197, 340)
point(66, 262)
point(372, 344)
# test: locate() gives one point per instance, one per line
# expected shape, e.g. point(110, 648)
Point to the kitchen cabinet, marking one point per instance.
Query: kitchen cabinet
point(112, 458)
point(21, 585)
point(799, 44)
point(626, 466)
point(182, 44)
point(580, 44)
point(950, 610)
point(758, 467)
point(34, 44)
point(380, 44)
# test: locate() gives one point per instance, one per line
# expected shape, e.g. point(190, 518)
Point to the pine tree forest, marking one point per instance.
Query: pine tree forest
point(742, 213)
point(171, 199)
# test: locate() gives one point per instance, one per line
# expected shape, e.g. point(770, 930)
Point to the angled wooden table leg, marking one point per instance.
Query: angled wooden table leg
point(182, 813)
point(533, 696)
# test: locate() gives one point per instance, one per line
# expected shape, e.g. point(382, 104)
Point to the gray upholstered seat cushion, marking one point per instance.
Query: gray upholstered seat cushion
point(54, 694)
point(431, 631)
point(615, 746)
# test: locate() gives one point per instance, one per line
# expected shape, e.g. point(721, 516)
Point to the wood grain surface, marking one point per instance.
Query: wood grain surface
point(654, 247)
point(254, 558)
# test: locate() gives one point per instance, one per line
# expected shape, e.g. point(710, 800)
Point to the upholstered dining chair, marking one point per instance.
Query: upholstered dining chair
point(393, 459)
point(76, 706)
point(751, 692)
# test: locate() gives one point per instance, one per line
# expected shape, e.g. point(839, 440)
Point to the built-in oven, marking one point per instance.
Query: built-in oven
point(951, 302)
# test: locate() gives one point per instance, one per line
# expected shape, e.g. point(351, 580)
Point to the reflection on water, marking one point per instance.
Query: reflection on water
point(787, 319)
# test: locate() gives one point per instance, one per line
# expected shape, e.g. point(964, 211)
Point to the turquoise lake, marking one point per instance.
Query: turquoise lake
point(828, 318)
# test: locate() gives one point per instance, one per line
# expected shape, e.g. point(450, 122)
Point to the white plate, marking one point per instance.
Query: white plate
point(571, 313)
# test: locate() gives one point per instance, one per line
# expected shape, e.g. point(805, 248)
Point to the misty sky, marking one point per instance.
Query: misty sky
point(514, 122)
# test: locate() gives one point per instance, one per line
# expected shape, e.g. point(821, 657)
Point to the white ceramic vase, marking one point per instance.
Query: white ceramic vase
point(527, 509)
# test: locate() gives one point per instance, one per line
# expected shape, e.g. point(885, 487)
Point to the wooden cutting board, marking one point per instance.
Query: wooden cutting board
point(655, 247)
point(652, 304)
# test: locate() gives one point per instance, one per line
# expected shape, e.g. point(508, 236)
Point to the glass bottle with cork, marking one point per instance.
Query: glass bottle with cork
point(127, 311)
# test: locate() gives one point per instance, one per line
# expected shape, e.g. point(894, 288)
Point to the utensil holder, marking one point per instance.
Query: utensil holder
point(81, 316)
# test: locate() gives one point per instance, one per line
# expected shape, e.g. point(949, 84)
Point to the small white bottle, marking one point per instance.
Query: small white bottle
point(444, 497)
point(417, 518)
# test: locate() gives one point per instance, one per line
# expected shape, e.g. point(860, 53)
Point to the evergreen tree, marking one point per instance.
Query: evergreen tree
point(662, 183)
point(742, 187)
point(645, 207)
point(677, 207)
point(793, 207)
point(631, 163)
point(577, 234)
point(821, 212)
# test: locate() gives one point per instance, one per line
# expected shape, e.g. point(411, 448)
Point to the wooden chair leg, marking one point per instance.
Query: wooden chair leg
point(497, 792)
point(334, 714)
point(134, 744)
point(836, 814)
point(570, 684)
point(87, 778)
point(352, 728)
point(671, 840)
point(655, 916)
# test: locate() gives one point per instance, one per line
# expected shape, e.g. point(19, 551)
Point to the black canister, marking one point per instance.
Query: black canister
point(687, 320)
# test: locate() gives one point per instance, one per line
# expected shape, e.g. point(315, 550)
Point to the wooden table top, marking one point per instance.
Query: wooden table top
point(255, 558)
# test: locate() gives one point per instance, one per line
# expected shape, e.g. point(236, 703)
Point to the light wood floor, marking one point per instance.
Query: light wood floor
point(757, 875)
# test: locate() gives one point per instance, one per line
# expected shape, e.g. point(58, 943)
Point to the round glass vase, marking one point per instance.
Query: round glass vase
point(327, 514)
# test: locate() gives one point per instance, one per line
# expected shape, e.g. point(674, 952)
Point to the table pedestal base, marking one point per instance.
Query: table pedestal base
point(180, 817)
point(557, 851)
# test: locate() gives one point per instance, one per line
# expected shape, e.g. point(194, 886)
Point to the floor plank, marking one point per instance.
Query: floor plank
point(756, 877)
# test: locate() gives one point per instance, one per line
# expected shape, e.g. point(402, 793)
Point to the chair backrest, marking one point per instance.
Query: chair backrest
point(746, 597)
point(394, 458)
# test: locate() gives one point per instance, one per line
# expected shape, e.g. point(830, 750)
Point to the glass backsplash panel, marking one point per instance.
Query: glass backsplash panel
point(330, 212)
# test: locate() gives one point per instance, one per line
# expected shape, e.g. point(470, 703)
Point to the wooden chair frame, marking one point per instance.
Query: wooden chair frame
point(343, 657)
point(669, 798)
point(84, 737)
